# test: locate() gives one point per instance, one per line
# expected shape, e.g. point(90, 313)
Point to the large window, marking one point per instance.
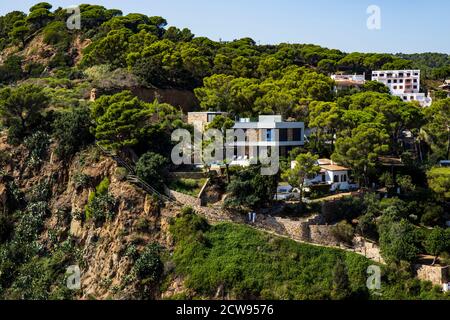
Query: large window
point(297, 134)
point(283, 134)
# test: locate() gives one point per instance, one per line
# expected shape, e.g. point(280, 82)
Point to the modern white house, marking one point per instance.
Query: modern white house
point(404, 84)
point(268, 131)
point(348, 81)
point(336, 176)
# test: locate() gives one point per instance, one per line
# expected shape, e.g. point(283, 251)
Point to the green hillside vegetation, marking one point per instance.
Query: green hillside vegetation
point(48, 74)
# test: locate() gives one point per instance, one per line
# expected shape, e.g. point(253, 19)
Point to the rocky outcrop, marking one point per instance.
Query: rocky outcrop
point(138, 220)
point(437, 275)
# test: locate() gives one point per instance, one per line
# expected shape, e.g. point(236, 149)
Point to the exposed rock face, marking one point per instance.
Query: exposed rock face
point(437, 275)
point(138, 220)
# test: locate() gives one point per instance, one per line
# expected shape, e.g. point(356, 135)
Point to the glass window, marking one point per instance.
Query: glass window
point(211, 117)
point(297, 134)
point(269, 135)
point(336, 178)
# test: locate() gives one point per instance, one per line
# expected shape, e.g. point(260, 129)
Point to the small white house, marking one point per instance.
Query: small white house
point(337, 177)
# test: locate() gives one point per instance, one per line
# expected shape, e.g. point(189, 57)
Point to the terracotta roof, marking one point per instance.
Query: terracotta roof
point(334, 167)
point(324, 161)
point(391, 161)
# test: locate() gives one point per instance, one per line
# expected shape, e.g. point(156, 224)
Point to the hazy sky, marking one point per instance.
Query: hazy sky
point(406, 25)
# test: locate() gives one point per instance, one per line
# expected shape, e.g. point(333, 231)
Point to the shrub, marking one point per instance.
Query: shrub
point(56, 33)
point(432, 215)
point(34, 69)
point(81, 180)
point(398, 240)
point(31, 222)
point(40, 192)
point(11, 70)
point(37, 145)
point(121, 173)
point(343, 232)
point(71, 130)
point(150, 168)
point(132, 252)
point(101, 205)
point(21, 110)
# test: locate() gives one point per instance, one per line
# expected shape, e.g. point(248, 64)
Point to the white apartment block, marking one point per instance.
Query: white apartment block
point(404, 84)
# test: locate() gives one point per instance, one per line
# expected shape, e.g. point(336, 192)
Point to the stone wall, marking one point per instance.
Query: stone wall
point(323, 234)
point(306, 229)
point(367, 248)
point(183, 198)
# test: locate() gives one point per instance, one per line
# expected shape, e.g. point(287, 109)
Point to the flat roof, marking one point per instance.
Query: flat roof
point(203, 112)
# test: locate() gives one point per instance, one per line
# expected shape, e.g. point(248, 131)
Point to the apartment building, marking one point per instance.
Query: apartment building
point(404, 84)
point(268, 131)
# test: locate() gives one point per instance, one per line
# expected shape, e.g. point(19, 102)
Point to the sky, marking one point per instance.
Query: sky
point(408, 26)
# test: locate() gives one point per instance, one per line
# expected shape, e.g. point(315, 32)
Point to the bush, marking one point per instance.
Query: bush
point(343, 232)
point(31, 222)
point(398, 240)
point(121, 173)
point(11, 70)
point(345, 208)
point(71, 129)
point(34, 69)
point(56, 33)
point(101, 205)
point(81, 180)
point(40, 192)
point(151, 169)
point(37, 145)
point(432, 215)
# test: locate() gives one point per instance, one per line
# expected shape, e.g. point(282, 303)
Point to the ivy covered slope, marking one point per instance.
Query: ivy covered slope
point(126, 82)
